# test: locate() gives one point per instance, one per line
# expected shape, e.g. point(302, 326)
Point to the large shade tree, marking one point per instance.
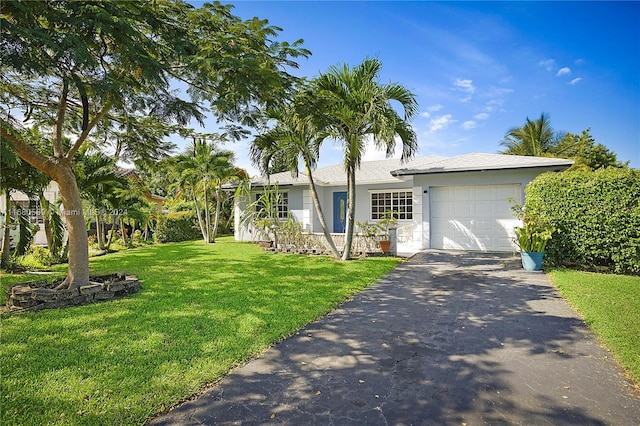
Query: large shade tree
point(297, 135)
point(81, 69)
point(359, 107)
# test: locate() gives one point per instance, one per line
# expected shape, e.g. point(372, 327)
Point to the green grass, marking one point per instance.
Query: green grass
point(202, 310)
point(610, 305)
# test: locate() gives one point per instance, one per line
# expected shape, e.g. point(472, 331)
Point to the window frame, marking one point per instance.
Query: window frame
point(283, 204)
point(403, 205)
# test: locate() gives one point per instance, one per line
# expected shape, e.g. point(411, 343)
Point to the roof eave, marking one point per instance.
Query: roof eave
point(554, 167)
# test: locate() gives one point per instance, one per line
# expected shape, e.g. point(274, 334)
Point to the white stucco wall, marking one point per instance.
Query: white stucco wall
point(301, 204)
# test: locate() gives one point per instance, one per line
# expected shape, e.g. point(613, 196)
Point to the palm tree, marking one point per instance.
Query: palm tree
point(358, 106)
point(203, 169)
point(98, 182)
point(535, 138)
point(295, 136)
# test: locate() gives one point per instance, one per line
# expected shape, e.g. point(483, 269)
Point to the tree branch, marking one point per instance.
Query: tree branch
point(60, 113)
point(26, 151)
point(83, 136)
point(85, 101)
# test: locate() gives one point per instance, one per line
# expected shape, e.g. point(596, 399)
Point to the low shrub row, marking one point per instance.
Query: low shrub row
point(596, 216)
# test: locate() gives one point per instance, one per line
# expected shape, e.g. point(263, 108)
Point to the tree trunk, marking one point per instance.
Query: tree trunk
point(217, 217)
point(100, 232)
point(200, 223)
point(207, 217)
point(351, 207)
point(78, 274)
point(6, 239)
point(323, 223)
point(111, 232)
point(123, 229)
point(45, 208)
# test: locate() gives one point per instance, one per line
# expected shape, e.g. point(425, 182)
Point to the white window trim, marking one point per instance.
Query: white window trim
point(281, 191)
point(390, 191)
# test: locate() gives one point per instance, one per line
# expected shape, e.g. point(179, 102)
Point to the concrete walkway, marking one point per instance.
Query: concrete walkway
point(447, 338)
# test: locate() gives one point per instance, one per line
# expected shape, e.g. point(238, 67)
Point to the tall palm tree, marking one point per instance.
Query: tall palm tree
point(358, 106)
point(295, 136)
point(98, 181)
point(535, 138)
point(203, 169)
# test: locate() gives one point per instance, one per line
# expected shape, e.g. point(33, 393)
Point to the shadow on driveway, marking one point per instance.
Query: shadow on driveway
point(445, 338)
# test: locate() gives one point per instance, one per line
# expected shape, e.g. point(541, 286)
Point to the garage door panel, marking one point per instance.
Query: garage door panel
point(473, 217)
point(484, 225)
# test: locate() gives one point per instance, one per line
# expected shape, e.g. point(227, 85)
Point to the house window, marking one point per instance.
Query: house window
point(398, 202)
point(283, 204)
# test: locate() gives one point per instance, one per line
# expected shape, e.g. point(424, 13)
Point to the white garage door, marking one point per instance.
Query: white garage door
point(473, 217)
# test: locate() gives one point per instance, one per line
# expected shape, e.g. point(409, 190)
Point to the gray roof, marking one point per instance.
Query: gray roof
point(479, 162)
point(391, 171)
point(378, 171)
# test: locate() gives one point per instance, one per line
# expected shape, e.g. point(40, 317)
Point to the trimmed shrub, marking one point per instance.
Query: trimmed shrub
point(178, 226)
point(596, 216)
point(37, 257)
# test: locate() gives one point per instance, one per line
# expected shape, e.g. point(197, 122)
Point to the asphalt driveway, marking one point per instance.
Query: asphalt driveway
point(447, 338)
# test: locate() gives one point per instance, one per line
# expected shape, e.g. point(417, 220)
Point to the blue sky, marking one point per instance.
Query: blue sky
point(481, 68)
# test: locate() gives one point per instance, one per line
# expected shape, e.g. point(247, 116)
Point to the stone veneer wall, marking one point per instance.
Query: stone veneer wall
point(38, 295)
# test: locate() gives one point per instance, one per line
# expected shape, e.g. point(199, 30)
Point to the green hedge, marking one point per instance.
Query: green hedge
point(596, 216)
point(178, 226)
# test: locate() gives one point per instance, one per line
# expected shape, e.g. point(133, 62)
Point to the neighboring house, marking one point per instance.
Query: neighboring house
point(459, 203)
point(21, 202)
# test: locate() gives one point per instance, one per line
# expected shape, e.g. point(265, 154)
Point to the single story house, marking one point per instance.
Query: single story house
point(458, 203)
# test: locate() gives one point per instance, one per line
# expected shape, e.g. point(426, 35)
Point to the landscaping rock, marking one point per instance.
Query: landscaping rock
point(37, 295)
point(90, 289)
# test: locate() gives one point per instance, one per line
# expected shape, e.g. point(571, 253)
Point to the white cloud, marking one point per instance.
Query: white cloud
point(468, 125)
point(481, 116)
point(464, 85)
point(547, 64)
point(495, 92)
point(441, 123)
point(563, 71)
point(576, 80)
point(430, 109)
point(494, 104)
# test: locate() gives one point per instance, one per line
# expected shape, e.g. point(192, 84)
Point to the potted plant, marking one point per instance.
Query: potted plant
point(389, 219)
point(532, 239)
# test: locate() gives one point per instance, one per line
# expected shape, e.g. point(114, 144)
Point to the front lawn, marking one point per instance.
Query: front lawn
point(610, 305)
point(203, 309)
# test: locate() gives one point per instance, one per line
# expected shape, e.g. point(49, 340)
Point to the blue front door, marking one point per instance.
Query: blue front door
point(339, 212)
